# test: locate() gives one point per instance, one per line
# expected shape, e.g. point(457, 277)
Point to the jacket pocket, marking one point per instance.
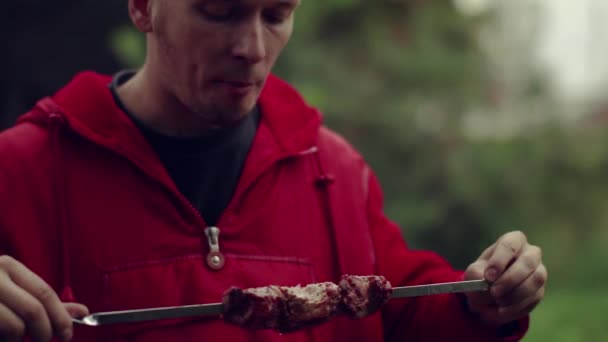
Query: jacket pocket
point(186, 281)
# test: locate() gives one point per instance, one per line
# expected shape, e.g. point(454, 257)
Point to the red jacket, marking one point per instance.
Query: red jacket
point(87, 205)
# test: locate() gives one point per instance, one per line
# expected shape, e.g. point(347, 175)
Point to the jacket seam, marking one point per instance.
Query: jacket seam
point(173, 260)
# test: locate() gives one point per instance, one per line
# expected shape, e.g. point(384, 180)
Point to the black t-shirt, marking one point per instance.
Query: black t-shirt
point(205, 169)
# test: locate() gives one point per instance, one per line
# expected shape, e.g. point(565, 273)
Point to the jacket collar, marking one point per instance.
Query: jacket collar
point(87, 105)
point(293, 122)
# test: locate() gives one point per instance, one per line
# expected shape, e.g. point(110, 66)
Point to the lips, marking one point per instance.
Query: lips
point(237, 87)
point(239, 84)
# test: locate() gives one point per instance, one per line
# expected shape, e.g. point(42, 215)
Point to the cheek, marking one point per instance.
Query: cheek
point(192, 62)
point(278, 39)
point(191, 41)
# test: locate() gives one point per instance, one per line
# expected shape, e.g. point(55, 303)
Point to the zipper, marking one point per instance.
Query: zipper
point(215, 258)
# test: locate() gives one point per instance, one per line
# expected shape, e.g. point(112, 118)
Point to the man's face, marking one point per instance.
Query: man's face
point(215, 55)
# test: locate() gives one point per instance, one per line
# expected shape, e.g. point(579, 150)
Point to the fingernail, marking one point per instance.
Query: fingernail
point(491, 274)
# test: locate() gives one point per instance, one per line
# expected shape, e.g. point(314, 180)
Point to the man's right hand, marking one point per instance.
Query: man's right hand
point(29, 306)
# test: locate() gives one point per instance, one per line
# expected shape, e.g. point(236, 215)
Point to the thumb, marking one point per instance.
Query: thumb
point(76, 310)
point(477, 300)
point(476, 270)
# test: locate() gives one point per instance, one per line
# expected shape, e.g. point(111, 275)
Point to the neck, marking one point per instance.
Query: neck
point(158, 108)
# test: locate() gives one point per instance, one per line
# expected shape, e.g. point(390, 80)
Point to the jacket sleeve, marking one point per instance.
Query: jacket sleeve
point(430, 318)
point(24, 198)
point(4, 196)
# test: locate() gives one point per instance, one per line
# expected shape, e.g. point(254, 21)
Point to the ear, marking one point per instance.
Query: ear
point(141, 15)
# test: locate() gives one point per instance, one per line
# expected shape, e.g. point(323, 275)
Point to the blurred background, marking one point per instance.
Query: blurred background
point(479, 117)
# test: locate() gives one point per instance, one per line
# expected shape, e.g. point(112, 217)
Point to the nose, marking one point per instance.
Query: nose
point(249, 44)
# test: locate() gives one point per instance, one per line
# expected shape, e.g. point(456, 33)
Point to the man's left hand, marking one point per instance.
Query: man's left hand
point(517, 276)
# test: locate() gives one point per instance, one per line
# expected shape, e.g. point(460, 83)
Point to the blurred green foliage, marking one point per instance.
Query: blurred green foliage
point(376, 69)
point(396, 78)
point(567, 316)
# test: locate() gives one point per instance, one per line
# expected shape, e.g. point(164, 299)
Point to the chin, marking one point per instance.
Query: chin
point(240, 109)
point(229, 118)
point(224, 112)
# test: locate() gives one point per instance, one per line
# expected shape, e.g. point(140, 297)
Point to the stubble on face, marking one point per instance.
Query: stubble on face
point(191, 54)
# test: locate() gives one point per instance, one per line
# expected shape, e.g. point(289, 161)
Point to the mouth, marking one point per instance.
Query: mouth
point(237, 83)
point(238, 87)
point(240, 83)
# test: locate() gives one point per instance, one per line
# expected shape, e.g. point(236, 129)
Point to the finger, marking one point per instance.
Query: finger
point(487, 253)
point(76, 310)
point(521, 309)
point(52, 308)
point(489, 314)
point(508, 247)
point(527, 288)
point(522, 268)
point(12, 328)
point(477, 300)
point(476, 270)
point(497, 316)
point(480, 303)
point(28, 308)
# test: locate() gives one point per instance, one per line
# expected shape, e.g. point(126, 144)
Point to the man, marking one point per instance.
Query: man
point(199, 172)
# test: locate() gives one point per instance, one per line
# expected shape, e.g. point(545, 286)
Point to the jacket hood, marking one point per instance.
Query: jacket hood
point(88, 106)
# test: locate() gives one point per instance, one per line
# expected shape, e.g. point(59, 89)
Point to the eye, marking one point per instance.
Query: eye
point(277, 15)
point(217, 11)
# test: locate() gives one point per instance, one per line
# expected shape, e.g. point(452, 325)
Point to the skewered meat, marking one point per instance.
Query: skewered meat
point(280, 307)
point(363, 295)
point(310, 305)
point(256, 308)
point(291, 308)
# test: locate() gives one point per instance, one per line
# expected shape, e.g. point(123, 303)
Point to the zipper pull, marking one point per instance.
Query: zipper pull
point(215, 258)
